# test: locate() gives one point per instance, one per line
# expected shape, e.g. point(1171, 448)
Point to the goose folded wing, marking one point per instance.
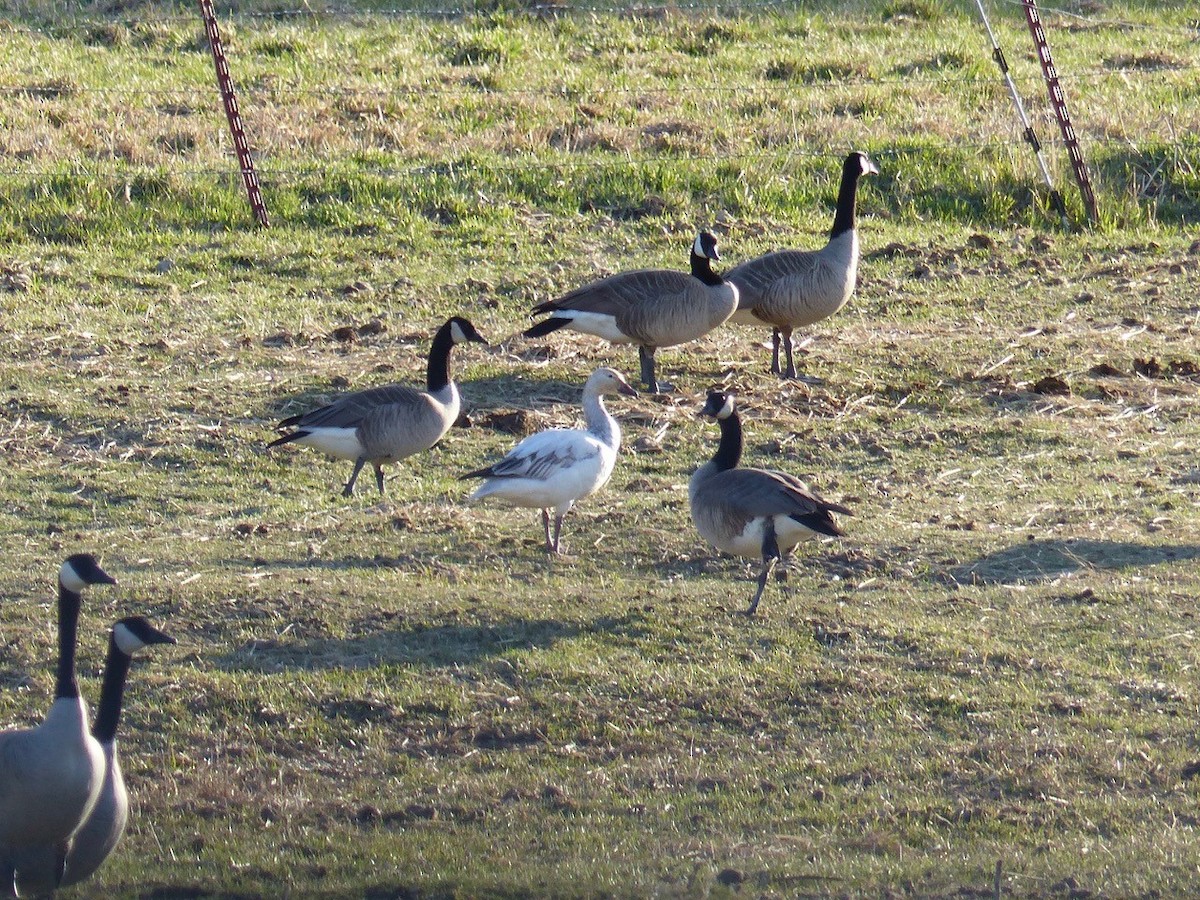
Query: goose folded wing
point(748, 493)
point(541, 456)
point(616, 293)
point(760, 274)
point(348, 411)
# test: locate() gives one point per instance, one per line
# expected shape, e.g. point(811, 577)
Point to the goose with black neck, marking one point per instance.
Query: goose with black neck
point(790, 289)
point(105, 825)
point(50, 776)
point(753, 512)
point(649, 307)
point(387, 424)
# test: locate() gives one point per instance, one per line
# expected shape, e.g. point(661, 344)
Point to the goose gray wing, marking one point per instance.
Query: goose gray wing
point(348, 411)
point(755, 277)
point(739, 495)
point(617, 293)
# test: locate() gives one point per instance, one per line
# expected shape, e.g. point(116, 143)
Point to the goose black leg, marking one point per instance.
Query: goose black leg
point(787, 346)
point(771, 555)
point(61, 850)
point(348, 490)
point(646, 356)
point(379, 478)
point(775, 370)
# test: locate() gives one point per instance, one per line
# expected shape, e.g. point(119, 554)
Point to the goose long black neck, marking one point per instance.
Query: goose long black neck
point(729, 450)
point(843, 218)
point(438, 372)
point(702, 269)
point(66, 686)
point(112, 693)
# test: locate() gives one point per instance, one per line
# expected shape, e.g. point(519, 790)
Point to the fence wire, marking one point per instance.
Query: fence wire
point(68, 19)
point(64, 18)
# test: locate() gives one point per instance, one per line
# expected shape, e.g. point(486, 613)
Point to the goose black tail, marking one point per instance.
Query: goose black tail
point(820, 522)
point(544, 327)
point(287, 438)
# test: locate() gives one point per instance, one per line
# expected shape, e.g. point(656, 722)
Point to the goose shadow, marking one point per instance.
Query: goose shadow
point(1045, 560)
point(390, 639)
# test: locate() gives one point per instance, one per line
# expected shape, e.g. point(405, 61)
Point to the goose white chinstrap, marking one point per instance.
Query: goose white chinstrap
point(555, 468)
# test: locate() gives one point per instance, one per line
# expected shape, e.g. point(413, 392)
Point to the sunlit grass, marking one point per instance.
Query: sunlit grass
point(403, 696)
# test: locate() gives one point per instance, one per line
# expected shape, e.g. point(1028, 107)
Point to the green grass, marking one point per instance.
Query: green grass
point(404, 697)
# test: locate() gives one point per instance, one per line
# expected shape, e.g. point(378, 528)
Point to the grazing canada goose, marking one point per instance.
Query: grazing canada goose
point(791, 289)
point(649, 307)
point(554, 468)
point(752, 512)
point(101, 831)
point(50, 776)
point(387, 424)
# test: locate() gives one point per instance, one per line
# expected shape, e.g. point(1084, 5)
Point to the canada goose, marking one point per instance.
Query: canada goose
point(791, 289)
point(102, 829)
point(50, 776)
point(752, 512)
point(387, 424)
point(554, 468)
point(649, 307)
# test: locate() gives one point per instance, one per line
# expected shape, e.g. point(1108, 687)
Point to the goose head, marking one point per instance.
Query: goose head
point(133, 633)
point(858, 164)
point(80, 570)
point(720, 405)
point(706, 246)
point(461, 331)
point(609, 381)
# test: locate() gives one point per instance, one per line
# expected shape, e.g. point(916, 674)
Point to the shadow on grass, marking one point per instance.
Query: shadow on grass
point(1044, 560)
point(423, 645)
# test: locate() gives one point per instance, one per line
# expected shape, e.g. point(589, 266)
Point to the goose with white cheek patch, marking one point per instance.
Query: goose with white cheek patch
point(100, 833)
point(387, 424)
point(790, 289)
point(51, 775)
point(753, 512)
point(553, 469)
point(649, 307)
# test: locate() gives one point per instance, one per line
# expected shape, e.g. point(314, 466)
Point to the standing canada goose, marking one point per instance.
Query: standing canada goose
point(554, 468)
point(387, 424)
point(50, 776)
point(102, 830)
point(649, 307)
point(791, 289)
point(752, 512)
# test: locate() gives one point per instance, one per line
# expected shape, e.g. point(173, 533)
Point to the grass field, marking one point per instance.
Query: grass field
point(404, 697)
